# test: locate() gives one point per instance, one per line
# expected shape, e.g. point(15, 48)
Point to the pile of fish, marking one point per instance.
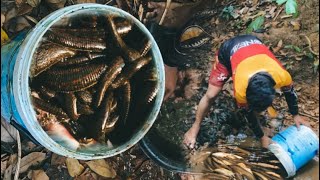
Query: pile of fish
point(82, 77)
point(233, 162)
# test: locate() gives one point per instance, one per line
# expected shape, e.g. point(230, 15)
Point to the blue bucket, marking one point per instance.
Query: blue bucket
point(16, 106)
point(295, 148)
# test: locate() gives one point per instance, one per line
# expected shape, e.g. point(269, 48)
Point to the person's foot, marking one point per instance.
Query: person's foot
point(177, 15)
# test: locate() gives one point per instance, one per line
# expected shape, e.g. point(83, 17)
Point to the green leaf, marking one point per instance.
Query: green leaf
point(310, 55)
point(256, 24)
point(296, 48)
point(279, 2)
point(291, 7)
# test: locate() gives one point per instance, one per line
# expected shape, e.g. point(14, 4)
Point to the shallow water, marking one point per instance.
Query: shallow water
point(310, 171)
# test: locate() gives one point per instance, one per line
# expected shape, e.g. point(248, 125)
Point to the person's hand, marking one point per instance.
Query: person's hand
point(191, 135)
point(265, 141)
point(300, 120)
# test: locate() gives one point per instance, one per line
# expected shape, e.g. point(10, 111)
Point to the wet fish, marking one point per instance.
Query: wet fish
point(146, 48)
point(220, 163)
point(126, 100)
point(84, 96)
point(223, 155)
point(129, 53)
point(78, 43)
point(71, 105)
point(74, 79)
point(225, 172)
point(243, 172)
point(76, 129)
point(153, 91)
point(47, 55)
point(47, 93)
point(265, 174)
point(84, 109)
point(110, 75)
point(265, 165)
point(76, 60)
point(104, 112)
point(47, 107)
point(129, 71)
point(123, 28)
point(260, 176)
point(275, 175)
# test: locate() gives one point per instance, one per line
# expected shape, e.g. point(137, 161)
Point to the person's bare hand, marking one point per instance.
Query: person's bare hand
point(265, 141)
point(190, 136)
point(300, 120)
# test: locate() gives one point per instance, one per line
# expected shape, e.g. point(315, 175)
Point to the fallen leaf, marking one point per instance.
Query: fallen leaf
point(19, 2)
point(33, 3)
point(8, 132)
point(24, 9)
point(296, 25)
point(87, 175)
point(12, 13)
point(30, 160)
point(13, 159)
point(3, 18)
point(39, 175)
point(3, 167)
point(74, 167)
point(256, 24)
point(8, 173)
point(102, 168)
point(279, 46)
point(57, 159)
point(56, 4)
point(22, 23)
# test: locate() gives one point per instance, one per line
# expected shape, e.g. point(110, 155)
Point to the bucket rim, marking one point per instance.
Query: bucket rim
point(22, 90)
point(284, 158)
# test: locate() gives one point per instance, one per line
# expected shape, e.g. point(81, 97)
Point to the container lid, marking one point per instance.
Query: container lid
point(284, 158)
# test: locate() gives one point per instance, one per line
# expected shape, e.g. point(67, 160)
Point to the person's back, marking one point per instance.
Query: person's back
point(256, 73)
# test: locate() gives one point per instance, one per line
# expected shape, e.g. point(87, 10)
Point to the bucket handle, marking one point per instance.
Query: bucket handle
point(23, 131)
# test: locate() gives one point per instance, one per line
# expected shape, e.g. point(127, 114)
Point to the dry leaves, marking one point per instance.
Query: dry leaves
point(101, 167)
point(74, 167)
point(56, 4)
point(39, 175)
point(30, 160)
point(8, 132)
point(33, 3)
point(22, 23)
point(296, 25)
point(57, 159)
point(3, 18)
point(279, 46)
point(8, 173)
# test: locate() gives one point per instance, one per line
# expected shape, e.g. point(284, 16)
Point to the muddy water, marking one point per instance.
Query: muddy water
point(310, 171)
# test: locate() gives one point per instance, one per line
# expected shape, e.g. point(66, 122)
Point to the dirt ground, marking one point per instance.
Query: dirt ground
point(286, 37)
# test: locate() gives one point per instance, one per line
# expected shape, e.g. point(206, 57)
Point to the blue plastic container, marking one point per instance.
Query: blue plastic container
point(299, 145)
point(16, 106)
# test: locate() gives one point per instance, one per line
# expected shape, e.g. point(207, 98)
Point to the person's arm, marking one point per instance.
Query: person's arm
point(292, 101)
point(255, 126)
point(203, 108)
